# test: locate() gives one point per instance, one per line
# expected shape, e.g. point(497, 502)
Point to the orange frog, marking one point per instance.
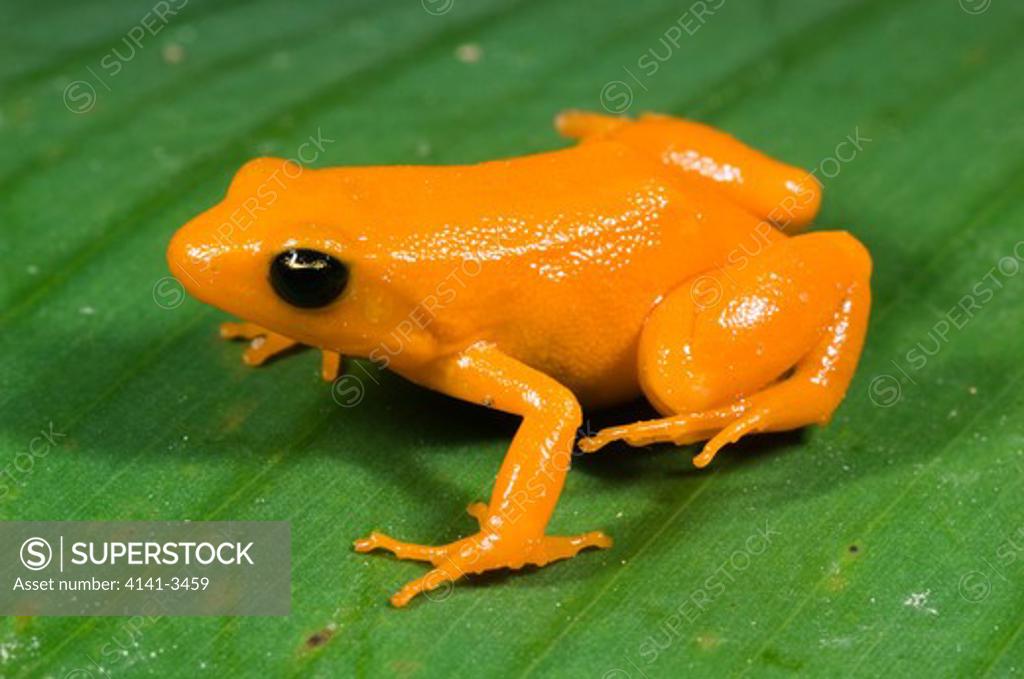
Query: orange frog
point(657, 257)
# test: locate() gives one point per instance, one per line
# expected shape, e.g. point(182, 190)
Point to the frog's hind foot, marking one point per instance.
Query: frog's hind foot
point(718, 427)
point(680, 430)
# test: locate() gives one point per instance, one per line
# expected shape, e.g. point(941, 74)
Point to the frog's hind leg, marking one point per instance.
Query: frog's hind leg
point(710, 160)
point(769, 345)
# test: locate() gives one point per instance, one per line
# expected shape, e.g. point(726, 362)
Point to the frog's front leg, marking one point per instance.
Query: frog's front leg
point(264, 345)
point(529, 482)
point(768, 345)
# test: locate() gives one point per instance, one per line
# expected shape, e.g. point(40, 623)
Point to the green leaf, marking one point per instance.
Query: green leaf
point(889, 542)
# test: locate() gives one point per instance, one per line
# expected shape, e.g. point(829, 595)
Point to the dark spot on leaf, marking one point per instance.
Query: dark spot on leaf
point(320, 638)
point(775, 658)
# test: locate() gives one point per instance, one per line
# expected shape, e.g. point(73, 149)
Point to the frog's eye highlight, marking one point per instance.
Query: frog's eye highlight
point(308, 279)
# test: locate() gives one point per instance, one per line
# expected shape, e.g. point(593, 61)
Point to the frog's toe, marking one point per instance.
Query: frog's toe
point(478, 510)
point(558, 547)
point(403, 550)
point(264, 347)
point(263, 344)
point(590, 444)
point(234, 330)
point(330, 365)
point(637, 434)
point(426, 583)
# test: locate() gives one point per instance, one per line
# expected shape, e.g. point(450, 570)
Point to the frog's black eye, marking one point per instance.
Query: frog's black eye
point(308, 279)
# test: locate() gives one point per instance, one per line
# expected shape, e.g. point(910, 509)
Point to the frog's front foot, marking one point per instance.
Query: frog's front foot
point(264, 345)
point(486, 550)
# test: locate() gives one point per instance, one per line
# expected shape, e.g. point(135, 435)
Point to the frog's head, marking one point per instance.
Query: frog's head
point(285, 251)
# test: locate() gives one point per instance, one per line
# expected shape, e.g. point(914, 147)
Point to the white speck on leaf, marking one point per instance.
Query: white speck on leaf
point(173, 53)
point(469, 53)
point(919, 600)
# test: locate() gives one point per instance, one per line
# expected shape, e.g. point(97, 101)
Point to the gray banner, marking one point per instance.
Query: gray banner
point(145, 568)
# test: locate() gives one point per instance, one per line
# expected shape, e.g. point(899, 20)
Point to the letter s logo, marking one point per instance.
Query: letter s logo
point(36, 554)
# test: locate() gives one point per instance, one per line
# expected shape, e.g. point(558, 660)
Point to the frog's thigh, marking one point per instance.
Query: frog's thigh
point(710, 160)
point(780, 332)
point(733, 330)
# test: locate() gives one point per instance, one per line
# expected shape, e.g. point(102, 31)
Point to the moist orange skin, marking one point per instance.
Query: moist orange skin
point(657, 257)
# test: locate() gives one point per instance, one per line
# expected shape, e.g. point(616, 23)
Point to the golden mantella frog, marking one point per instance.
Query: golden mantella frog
point(656, 257)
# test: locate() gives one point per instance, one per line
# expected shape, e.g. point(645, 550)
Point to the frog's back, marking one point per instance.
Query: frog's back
point(558, 257)
point(560, 213)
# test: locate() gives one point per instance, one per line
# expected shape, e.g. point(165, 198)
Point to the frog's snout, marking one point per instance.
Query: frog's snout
point(203, 265)
point(187, 263)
